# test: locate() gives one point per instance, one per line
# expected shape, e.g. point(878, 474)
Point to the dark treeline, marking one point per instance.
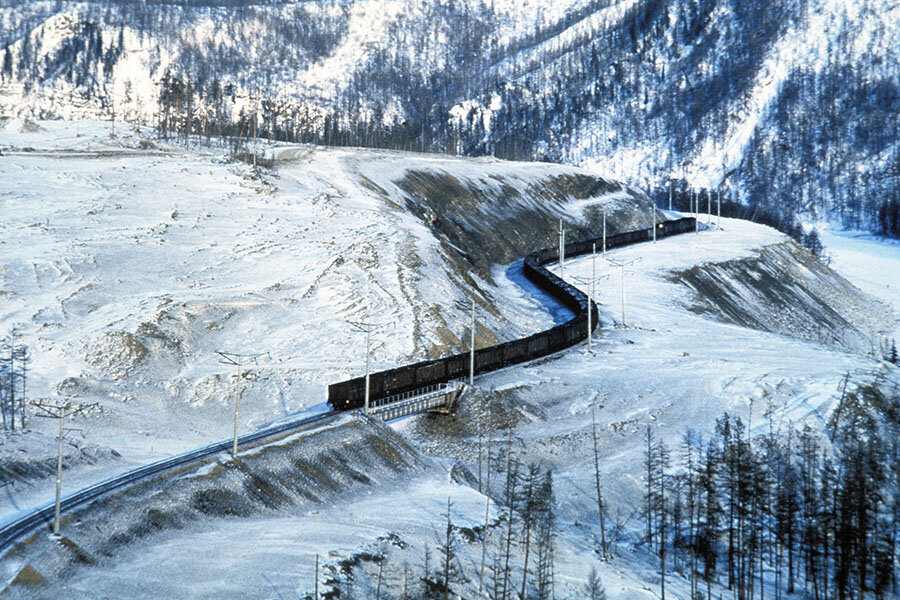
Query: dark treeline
point(786, 510)
point(833, 155)
point(889, 217)
point(667, 76)
point(14, 360)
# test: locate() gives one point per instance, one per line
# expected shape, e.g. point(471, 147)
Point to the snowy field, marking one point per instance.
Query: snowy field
point(669, 368)
point(125, 268)
point(128, 262)
point(872, 263)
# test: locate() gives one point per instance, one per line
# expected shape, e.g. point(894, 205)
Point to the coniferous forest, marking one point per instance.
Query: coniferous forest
point(656, 92)
point(794, 512)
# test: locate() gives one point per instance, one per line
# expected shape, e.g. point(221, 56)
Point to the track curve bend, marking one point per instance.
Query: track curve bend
point(22, 524)
point(349, 394)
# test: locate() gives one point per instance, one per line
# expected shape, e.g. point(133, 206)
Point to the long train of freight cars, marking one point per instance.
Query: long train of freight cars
point(350, 394)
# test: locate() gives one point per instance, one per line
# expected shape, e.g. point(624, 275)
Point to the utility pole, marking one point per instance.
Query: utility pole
point(54, 408)
point(368, 328)
point(237, 360)
point(562, 247)
point(480, 446)
point(654, 222)
point(589, 283)
point(696, 210)
point(472, 350)
point(592, 294)
point(604, 233)
point(622, 263)
point(718, 209)
point(487, 513)
point(470, 305)
point(61, 410)
point(597, 481)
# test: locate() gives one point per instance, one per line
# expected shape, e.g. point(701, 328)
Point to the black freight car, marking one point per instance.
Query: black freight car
point(351, 394)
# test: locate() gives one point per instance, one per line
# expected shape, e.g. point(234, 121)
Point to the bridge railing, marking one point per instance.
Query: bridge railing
point(416, 401)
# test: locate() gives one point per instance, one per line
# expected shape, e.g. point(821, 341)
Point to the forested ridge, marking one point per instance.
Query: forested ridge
point(650, 92)
point(648, 87)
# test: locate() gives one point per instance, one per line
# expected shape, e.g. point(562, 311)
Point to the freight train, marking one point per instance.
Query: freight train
point(350, 394)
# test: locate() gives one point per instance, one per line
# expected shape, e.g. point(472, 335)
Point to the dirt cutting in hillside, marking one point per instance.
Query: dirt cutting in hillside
point(786, 290)
point(302, 471)
point(486, 223)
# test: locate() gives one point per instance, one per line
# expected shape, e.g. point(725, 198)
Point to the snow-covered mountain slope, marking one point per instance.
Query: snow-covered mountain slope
point(671, 369)
point(129, 262)
point(788, 104)
point(127, 265)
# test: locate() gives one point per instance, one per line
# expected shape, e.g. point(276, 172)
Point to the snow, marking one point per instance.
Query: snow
point(366, 31)
point(252, 558)
point(535, 57)
point(102, 237)
point(128, 262)
point(670, 368)
point(801, 46)
point(870, 262)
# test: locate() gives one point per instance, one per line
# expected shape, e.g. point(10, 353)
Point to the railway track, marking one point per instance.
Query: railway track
point(18, 526)
point(348, 394)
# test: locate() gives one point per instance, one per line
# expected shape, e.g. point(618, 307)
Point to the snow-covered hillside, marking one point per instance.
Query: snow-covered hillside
point(786, 105)
point(127, 265)
point(128, 262)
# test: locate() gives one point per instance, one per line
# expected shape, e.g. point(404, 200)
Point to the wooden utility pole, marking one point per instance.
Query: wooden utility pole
point(562, 247)
point(480, 442)
point(368, 328)
point(695, 208)
point(604, 233)
point(472, 349)
point(597, 480)
point(61, 416)
point(718, 209)
point(55, 408)
point(237, 360)
point(654, 223)
point(622, 264)
point(487, 513)
point(380, 572)
point(591, 285)
point(470, 306)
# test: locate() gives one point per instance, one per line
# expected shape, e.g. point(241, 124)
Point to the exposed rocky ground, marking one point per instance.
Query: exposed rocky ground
point(297, 473)
point(784, 289)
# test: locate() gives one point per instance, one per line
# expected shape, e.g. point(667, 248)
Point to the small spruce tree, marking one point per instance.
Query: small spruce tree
point(593, 588)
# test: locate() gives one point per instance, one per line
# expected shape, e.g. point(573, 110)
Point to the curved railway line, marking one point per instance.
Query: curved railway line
point(348, 395)
point(351, 394)
point(16, 527)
